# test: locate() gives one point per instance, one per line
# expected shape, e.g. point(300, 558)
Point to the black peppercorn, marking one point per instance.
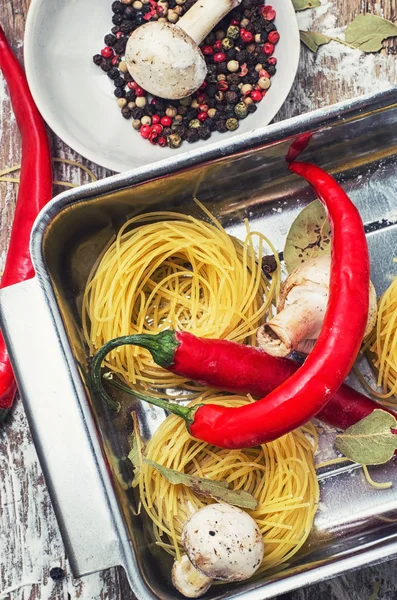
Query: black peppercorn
point(129, 13)
point(127, 77)
point(120, 45)
point(221, 126)
point(222, 68)
point(137, 113)
point(160, 105)
point(118, 7)
point(231, 98)
point(97, 59)
point(57, 574)
point(119, 92)
point(269, 264)
point(151, 109)
point(115, 29)
point(113, 73)
point(167, 131)
point(192, 136)
point(139, 20)
point(119, 82)
point(182, 110)
point(191, 113)
point(271, 69)
point(130, 96)
point(210, 39)
point(146, 8)
point(126, 112)
point(117, 19)
point(233, 78)
point(211, 90)
point(204, 133)
point(231, 54)
point(210, 123)
point(106, 65)
point(252, 59)
point(126, 26)
point(251, 108)
point(109, 39)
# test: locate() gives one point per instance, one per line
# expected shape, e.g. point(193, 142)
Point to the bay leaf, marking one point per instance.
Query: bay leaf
point(309, 236)
point(135, 455)
point(367, 32)
point(218, 490)
point(371, 440)
point(304, 4)
point(313, 40)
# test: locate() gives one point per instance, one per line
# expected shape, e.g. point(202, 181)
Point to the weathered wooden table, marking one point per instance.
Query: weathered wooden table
point(30, 543)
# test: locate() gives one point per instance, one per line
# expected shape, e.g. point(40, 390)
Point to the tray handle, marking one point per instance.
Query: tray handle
point(63, 429)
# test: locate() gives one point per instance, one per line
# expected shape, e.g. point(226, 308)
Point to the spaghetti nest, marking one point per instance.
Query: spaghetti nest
point(382, 346)
point(280, 475)
point(166, 270)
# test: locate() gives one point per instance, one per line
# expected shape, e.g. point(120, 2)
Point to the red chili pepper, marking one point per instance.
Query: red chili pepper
point(35, 190)
point(298, 146)
point(239, 369)
point(307, 391)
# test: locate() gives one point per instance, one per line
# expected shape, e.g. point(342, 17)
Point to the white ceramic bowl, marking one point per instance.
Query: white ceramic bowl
point(76, 98)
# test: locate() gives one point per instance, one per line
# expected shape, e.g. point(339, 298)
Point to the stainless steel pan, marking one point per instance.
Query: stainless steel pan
point(82, 446)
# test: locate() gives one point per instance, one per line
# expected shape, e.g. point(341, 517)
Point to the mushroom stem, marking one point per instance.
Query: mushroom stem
point(199, 20)
point(188, 580)
point(298, 321)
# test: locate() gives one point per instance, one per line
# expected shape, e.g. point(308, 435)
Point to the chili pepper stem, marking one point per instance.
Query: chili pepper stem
point(177, 409)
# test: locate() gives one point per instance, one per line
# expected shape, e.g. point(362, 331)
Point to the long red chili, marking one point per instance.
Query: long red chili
point(35, 190)
point(308, 390)
point(237, 368)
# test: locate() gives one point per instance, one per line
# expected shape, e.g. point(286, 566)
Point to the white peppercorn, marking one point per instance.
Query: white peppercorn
point(233, 66)
point(137, 5)
point(122, 102)
point(131, 105)
point(258, 67)
point(172, 18)
point(146, 120)
point(123, 67)
point(264, 83)
point(211, 113)
point(136, 123)
point(171, 111)
point(246, 88)
point(141, 101)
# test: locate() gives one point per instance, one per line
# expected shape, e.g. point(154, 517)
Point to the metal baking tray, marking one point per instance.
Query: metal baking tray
point(82, 446)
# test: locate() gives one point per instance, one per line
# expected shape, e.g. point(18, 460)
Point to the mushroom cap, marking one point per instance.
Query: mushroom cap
point(188, 580)
point(165, 60)
point(223, 542)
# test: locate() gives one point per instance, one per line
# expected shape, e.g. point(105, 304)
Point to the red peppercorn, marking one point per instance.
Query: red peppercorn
point(241, 31)
point(223, 86)
point(115, 59)
point(268, 48)
point(145, 131)
point(273, 37)
point(272, 60)
point(155, 119)
point(162, 141)
point(256, 95)
point(132, 85)
point(219, 57)
point(202, 116)
point(247, 37)
point(202, 98)
point(218, 45)
point(166, 121)
point(139, 91)
point(157, 128)
point(107, 52)
point(203, 85)
point(119, 35)
point(203, 107)
point(153, 101)
point(207, 50)
point(264, 73)
point(268, 13)
point(153, 137)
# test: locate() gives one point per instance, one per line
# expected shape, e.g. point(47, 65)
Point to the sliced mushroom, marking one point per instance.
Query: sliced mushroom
point(301, 309)
point(165, 59)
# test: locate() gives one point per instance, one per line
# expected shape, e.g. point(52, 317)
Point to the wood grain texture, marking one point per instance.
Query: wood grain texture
point(30, 543)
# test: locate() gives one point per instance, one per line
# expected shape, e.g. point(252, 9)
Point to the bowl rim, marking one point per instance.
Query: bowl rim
point(94, 156)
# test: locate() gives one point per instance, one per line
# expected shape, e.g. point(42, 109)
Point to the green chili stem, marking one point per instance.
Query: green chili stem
point(177, 409)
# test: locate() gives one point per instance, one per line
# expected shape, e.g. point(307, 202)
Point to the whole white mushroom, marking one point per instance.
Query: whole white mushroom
point(301, 309)
point(165, 59)
point(188, 580)
point(223, 542)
